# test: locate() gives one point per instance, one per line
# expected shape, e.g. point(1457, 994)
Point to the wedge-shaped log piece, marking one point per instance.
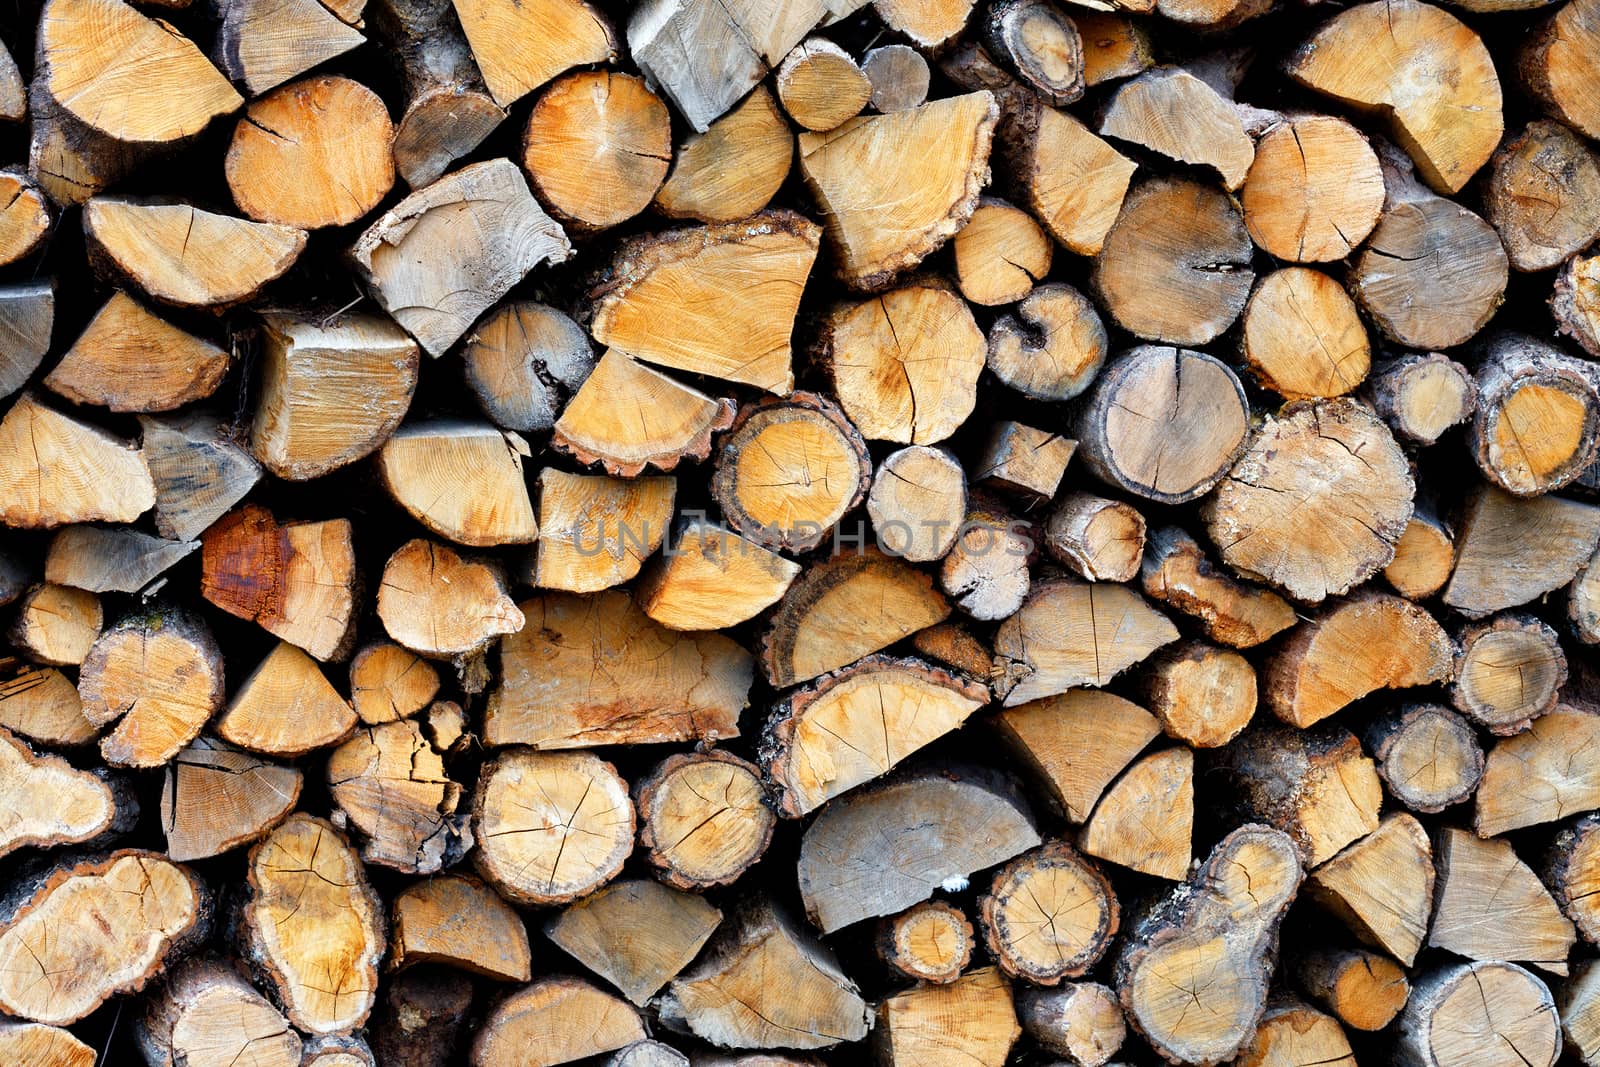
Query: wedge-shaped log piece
point(286, 707)
point(1072, 181)
point(1381, 887)
point(56, 470)
point(1314, 189)
point(1427, 755)
point(970, 1022)
point(1460, 1011)
point(49, 803)
point(1540, 775)
point(597, 531)
point(206, 1013)
point(1049, 914)
point(1292, 1032)
point(596, 670)
point(715, 300)
point(1499, 566)
point(1145, 820)
point(216, 798)
point(734, 168)
point(555, 1020)
point(895, 187)
point(1071, 634)
point(157, 674)
point(1176, 572)
point(459, 922)
point(627, 416)
point(42, 705)
point(89, 930)
point(27, 313)
point(25, 220)
point(520, 46)
point(884, 848)
point(111, 559)
point(439, 604)
point(928, 942)
point(712, 578)
point(462, 480)
point(1555, 60)
point(636, 934)
point(704, 818)
point(1491, 906)
point(523, 361)
point(263, 43)
point(1509, 671)
point(389, 781)
point(1211, 134)
point(1077, 742)
point(44, 1046)
point(199, 471)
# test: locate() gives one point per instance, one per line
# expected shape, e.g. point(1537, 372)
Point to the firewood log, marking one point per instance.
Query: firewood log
point(1575, 302)
point(390, 784)
point(728, 999)
point(389, 683)
point(1000, 254)
point(1539, 775)
point(43, 1046)
point(1509, 671)
point(1423, 557)
point(51, 804)
point(129, 359)
point(1458, 1010)
point(888, 207)
point(435, 274)
point(1071, 633)
point(441, 605)
point(842, 608)
point(1576, 1006)
point(523, 361)
point(637, 934)
point(25, 220)
point(263, 43)
point(627, 416)
point(928, 942)
point(1186, 242)
point(88, 929)
point(1491, 906)
point(447, 108)
point(308, 597)
point(1076, 743)
point(1097, 539)
point(1212, 134)
point(286, 707)
point(1034, 40)
point(1314, 190)
point(421, 1019)
point(1079, 1020)
point(1049, 914)
point(820, 85)
point(917, 502)
point(556, 1019)
point(1203, 695)
point(146, 244)
point(595, 531)
point(519, 47)
point(1292, 1032)
point(1163, 423)
point(56, 625)
point(13, 93)
point(70, 160)
point(1177, 572)
point(1051, 347)
point(954, 645)
point(734, 168)
point(927, 23)
point(457, 921)
point(1369, 642)
point(970, 1021)
point(647, 1054)
point(1072, 181)
point(1301, 336)
point(1583, 602)
point(55, 470)
point(1121, 829)
point(216, 798)
point(712, 578)
point(1381, 887)
point(1335, 534)
point(985, 573)
point(111, 560)
point(1553, 60)
point(1114, 47)
point(899, 77)
point(906, 837)
point(1364, 990)
point(1540, 195)
point(1428, 756)
point(332, 134)
point(199, 472)
point(704, 818)
point(1223, 924)
point(717, 300)
point(1024, 461)
point(1498, 566)
point(338, 1050)
point(27, 313)
point(1538, 420)
point(204, 1014)
point(157, 674)
point(42, 705)
point(462, 480)
point(1571, 870)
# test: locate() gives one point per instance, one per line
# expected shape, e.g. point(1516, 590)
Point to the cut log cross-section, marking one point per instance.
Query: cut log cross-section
point(704, 819)
point(158, 676)
point(129, 359)
point(627, 416)
point(1049, 914)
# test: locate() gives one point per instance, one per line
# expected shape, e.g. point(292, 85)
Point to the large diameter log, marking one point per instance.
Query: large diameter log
point(1459, 1011)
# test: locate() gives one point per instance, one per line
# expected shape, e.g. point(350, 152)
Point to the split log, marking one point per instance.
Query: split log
point(904, 365)
point(308, 597)
point(1076, 743)
point(1163, 423)
point(263, 43)
point(457, 921)
point(1177, 572)
point(986, 572)
point(1079, 1020)
point(704, 819)
point(716, 300)
point(1073, 182)
point(441, 605)
point(199, 471)
point(35, 1043)
point(519, 47)
point(1314, 190)
point(1537, 426)
point(1509, 671)
point(1427, 755)
point(1540, 775)
point(523, 361)
point(111, 560)
point(820, 85)
point(917, 502)
point(1381, 887)
point(56, 625)
point(27, 313)
point(652, 684)
point(1000, 254)
point(1553, 60)
point(216, 798)
point(70, 160)
point(1051, 347)
point(928, 942)
point(1491, 906)
point(1572, 872)
point(462, 480)
point(711, 578)
point(1423, 557)
point(1212, 133)
point(390, 784)
point(534, 1026)
point(1498, 566)
point(1291, 1032)
point(1024, 461)
point(596, 532)
point(1458, 1011)
point(55, 470)
point(899, 77)
point(636, 934)
point(156, 674)
point(1121, 829)
point(1222, 925)
point(1072, 633)
point(905, 837)
point(129, 359)
point(1203, 695)
point(434, 273)
point(928, 25)
point(1302, 338)
point(1575, 302)
point(1313, 536)
point(206, 1015)
point(421, 1018)
point(1583, 603)
point(88, 930)
point(1035, 41)
point(970, 1021)
point(1541, 194)
point(25, 219)
point(1049, 914)
point(734, 168)
point(50, 804)
point(627, 416)
point(1364, 990)
point(42, 705)
point(1114, 46)
point(286, 707)
point(1576, 1006)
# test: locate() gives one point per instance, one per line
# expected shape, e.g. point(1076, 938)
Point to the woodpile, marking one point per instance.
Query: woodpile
point(726, 533)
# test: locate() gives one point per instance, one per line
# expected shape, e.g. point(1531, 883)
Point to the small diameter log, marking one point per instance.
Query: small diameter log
point(1498, 566)
point(40, 1045)
point(715, 300)
point(711, 578)
point(1049, 914)
point(1212, 134)
point(1460, 1010)
point(1000, 254)
point(1024, 461)
point(390, 784)
point(1428, 756)
point(899, 77)
point(1541, 195)
point(857, 724)
point(1538, 422)
point(1575, 302)
point(1035, 41)
point(1076, 743)
point(1072, 181)
point(1203, 695)
point(1509, 671)
point(1099, 540)
point(442, 605)
point(1315, 785)
point(729, 1000)
point(308, 598)
point(25, 220)
point(1491, 906)
point(434, 273)
point(1364, 990)
point(917, 503)
point(734, 168)
point(551, 826)
point(1051, 347)
point(55, 470)
point(311, 928)
point(1339, 526)
point(1122, 829)
point(216, 798)
point(1163, 423)
point(206, 1015)
point(158, 676)
point(1553, 60)
point(820, 85)
point(1302, 338)
point(1540, 775)
point(627, 416)
point(457, 921)
point(27, 313)
point(263, 43)
point(523, 361)
point(1071, 633)
point(703, 819)
point(1572, 872)
point(1177, 572)
point(636, 934)
point(1423, 557)
point(1114, 46)
point(895, 187)
point(1583, 603)
point(986, 573)
point(421, 1018)
point(1079, 1020)
point(1223, 924)
point(970, 1021)
point(554, 1020)
point(596, 531)
point(904, 838)
point(904, 365)
point(1369, 642)
point(520, 46)
point(462, 480)
point(49, 803)
point(1176, 265)
point(129, 359)
point(928, 942)
point(1314, 190)
point(56, 625)
point(88, 930)
point(42, 705)
point(111, 560)
point(198, 469)
point(1291, 1032)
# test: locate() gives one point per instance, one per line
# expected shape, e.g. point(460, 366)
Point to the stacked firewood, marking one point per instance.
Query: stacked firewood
point(726, 532)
